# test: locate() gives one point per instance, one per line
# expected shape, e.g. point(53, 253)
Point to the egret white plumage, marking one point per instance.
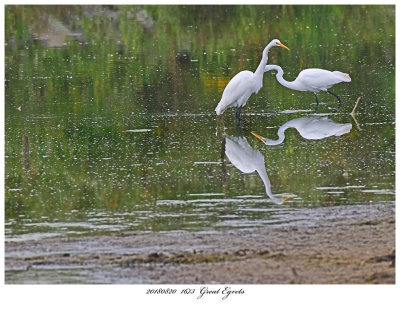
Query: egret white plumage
point(244, 84)
point(248, 160)
point(313, 80)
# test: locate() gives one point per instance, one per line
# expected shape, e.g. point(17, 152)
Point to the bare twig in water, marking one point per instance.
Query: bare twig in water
point(356, 105)
point(354, 112)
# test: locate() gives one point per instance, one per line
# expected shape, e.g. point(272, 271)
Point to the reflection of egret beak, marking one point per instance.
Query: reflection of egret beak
point(281, 45)
point(285, 198)
point(258, 136)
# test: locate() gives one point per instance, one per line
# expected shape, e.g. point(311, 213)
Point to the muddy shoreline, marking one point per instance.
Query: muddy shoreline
point(341, 244)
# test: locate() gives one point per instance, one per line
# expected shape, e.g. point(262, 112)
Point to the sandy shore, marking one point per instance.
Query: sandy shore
point(348, 244)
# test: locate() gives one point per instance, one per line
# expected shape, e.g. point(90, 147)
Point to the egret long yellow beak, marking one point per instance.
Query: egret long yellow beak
point(281, 45)
point(258, 136)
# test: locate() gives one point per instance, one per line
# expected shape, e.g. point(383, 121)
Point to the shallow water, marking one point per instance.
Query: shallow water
point(110, 123)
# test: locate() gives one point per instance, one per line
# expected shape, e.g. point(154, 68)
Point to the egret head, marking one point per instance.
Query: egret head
point(280, 200)
point(276, 42)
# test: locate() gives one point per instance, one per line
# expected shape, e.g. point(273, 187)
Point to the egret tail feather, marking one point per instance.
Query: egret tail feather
point(218, 109)
point(343, 76)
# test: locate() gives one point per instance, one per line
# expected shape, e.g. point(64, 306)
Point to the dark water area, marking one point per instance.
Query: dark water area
point(110, 124)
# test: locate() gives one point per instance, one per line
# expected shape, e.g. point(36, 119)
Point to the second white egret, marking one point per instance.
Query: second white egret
point(313, 80)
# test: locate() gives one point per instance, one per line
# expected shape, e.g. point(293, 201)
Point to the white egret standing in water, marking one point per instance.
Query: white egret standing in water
point(244, 84)
point(313, 80)
point(315, 127)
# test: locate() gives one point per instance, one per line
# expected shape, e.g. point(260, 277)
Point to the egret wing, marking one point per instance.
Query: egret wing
point(236, 87)
point(318, 79)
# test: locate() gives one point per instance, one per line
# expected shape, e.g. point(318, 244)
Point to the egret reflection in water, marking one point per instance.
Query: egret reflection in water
point(248, 160)
point(311, 127)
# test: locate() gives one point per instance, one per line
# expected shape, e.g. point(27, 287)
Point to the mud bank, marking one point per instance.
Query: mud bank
point(343, 244)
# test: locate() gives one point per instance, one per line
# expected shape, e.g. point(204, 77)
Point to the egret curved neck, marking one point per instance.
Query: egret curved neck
point(279, 76)
point(267, 183)
point(260, 69)
point(281, 137)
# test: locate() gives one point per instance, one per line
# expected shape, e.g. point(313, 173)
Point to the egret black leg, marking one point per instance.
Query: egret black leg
point(238, 113)
point(316, 98)
point(239, 130)
point(340, 102)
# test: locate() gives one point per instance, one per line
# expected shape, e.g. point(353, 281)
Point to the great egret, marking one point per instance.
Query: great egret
point(248, 160)
point(316, 127)
point(313, 80)
point(244, 84)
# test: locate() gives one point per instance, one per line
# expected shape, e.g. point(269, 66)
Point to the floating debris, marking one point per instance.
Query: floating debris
point(137, 131)
point(293, 111)
point(206, 194)
point(206, 163)
point(378, 191)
